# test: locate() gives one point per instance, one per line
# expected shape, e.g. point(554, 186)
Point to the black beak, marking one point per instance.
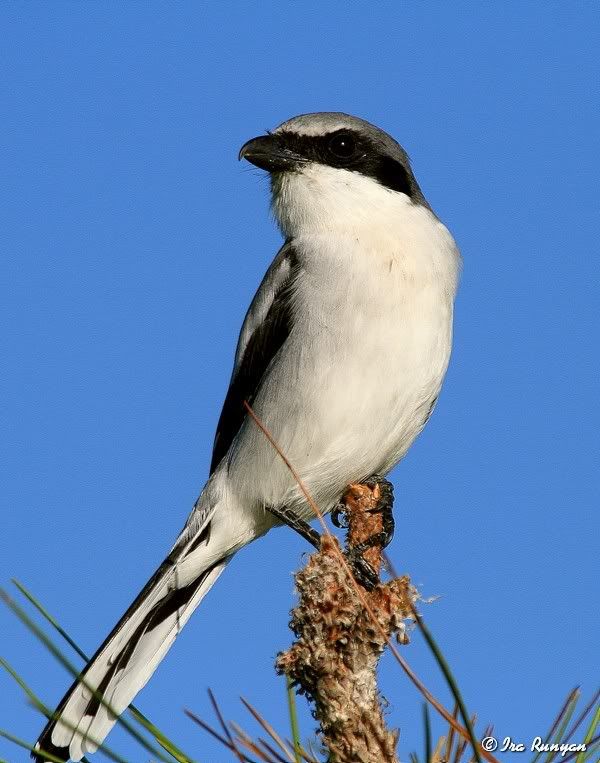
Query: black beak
point(269, 153)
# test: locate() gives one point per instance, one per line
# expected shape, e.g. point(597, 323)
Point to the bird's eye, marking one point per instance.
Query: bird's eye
point(342, 145)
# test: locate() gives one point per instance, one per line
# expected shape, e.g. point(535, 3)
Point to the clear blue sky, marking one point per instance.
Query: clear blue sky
point(132, 241)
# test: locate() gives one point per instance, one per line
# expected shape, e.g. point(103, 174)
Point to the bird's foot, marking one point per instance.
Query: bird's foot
point(363, 571)
point(385, 507)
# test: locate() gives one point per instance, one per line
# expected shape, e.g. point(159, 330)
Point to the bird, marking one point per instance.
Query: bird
point(341, 356)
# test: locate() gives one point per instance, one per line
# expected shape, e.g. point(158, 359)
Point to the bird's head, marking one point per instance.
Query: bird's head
point(330, 169)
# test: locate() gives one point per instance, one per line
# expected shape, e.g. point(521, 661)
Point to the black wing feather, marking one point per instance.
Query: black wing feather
point(267, 325)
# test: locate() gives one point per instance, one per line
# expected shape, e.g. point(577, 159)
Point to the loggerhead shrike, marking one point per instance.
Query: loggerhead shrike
point(341, 355)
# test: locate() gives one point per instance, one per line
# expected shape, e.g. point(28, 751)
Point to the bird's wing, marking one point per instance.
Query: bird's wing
point(267, 325)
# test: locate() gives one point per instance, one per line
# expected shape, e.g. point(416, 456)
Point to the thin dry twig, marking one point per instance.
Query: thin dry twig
point(271, 750)
point(223, 725)
point(245, 740)
point(209, 729)
point(269, 729)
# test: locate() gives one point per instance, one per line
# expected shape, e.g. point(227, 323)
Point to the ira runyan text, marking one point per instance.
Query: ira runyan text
point(539, 745)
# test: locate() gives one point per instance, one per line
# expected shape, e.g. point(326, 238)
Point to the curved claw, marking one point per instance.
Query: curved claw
point(338, 517)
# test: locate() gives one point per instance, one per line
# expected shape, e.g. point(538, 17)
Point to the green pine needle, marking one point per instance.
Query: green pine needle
point(291, 698)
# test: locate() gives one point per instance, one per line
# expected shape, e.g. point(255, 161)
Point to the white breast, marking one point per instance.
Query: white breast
point(372, 333)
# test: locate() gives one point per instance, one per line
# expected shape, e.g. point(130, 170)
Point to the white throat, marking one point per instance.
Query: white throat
point(319, 199)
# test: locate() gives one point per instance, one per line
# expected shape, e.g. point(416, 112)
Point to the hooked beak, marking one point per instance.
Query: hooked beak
point(269, 153)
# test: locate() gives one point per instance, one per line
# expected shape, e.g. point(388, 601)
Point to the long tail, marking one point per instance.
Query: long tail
point(134, 648)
